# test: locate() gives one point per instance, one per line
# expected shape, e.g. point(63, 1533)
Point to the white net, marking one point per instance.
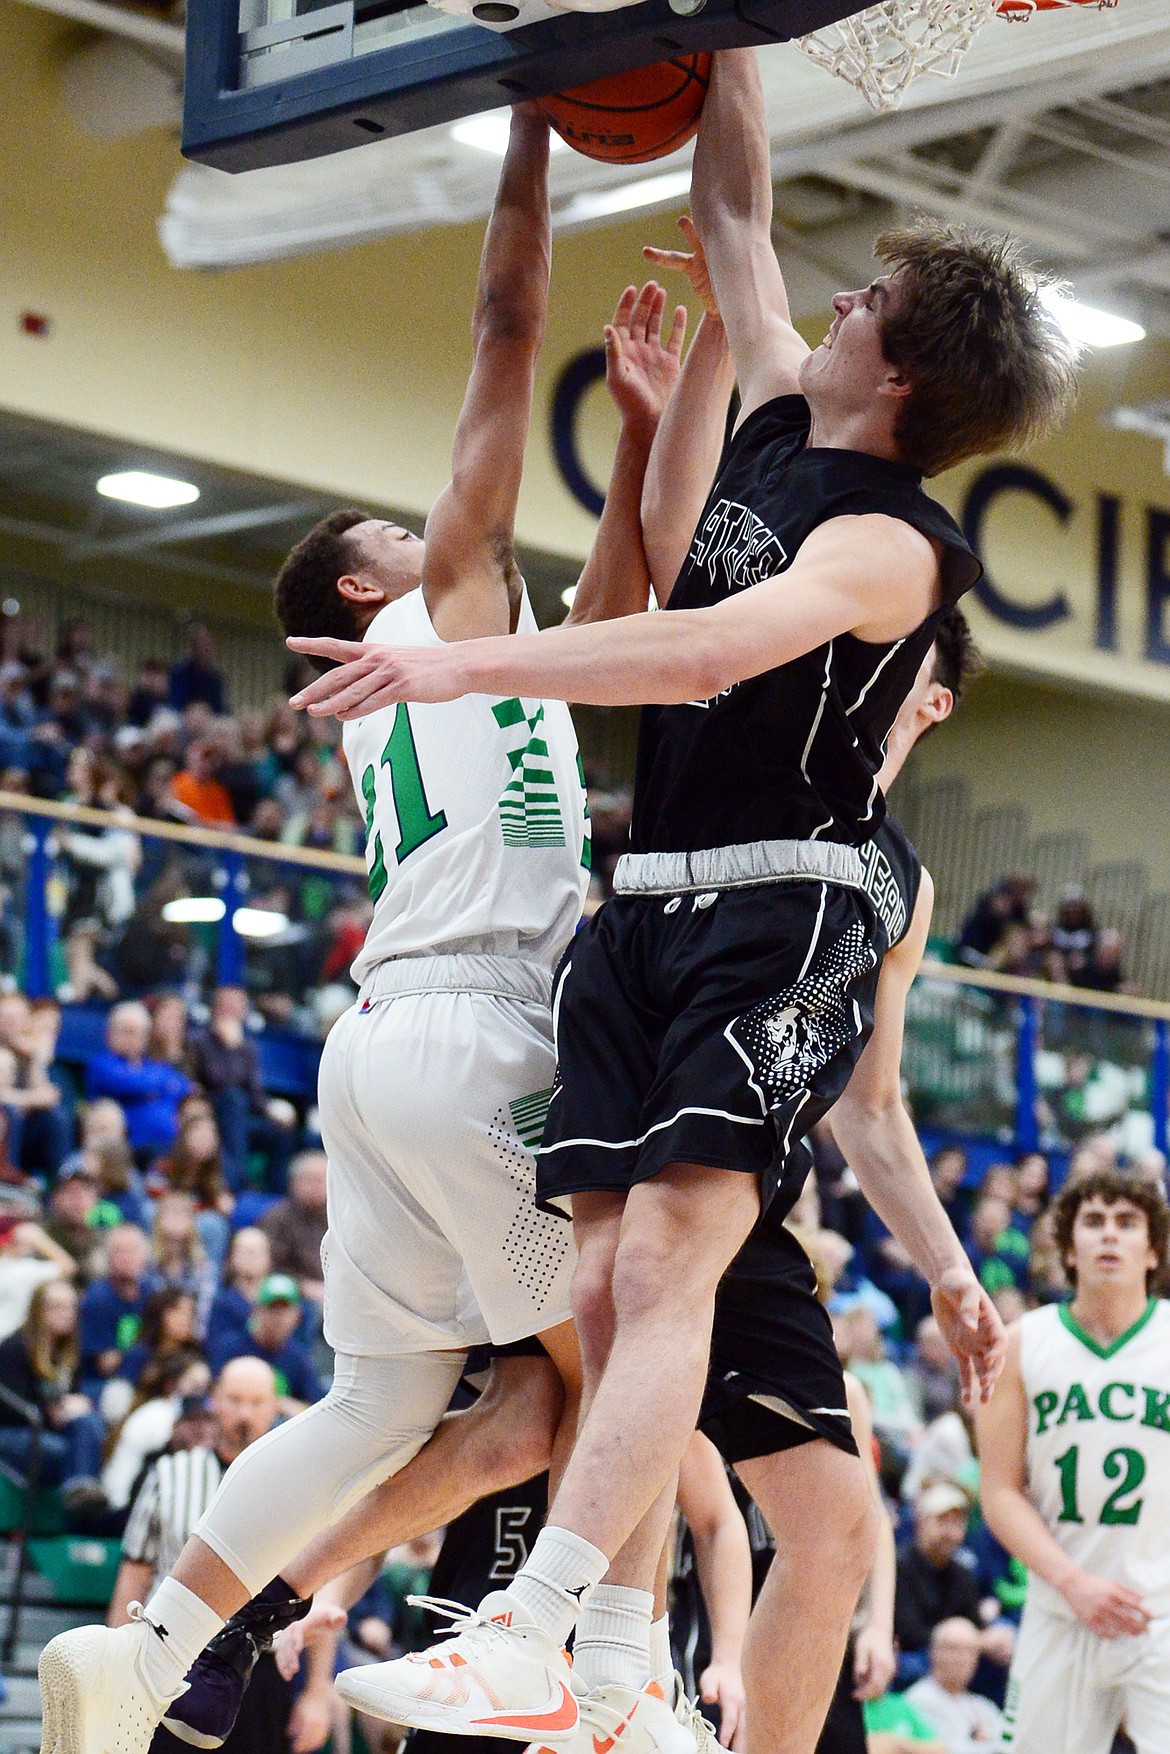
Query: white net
point(883, 49)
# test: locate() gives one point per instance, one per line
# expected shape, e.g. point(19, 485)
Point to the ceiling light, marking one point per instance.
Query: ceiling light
point(139, 487)
point(489, 133)
point(1089, 326)
point(193, 910)
point(259, 922)
point(646, 192)
point(567, 595)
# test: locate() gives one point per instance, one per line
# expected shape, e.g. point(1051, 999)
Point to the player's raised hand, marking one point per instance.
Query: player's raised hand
point(1109, 1609)
point(641, 367)
point(972, 1328)
point(692, 262)
point(368, 677)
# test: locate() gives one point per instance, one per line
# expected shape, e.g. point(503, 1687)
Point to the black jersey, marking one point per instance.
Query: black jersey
point(791, 754)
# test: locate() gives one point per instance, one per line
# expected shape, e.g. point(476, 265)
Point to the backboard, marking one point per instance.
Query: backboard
point(272, 81)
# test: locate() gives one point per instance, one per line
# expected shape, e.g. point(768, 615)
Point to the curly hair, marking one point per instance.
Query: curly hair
point(957, 659)
point(305, 593)
point(989, 366)
point(1112, 1185)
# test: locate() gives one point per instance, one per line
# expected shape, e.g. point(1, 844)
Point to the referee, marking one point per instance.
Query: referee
point(174, 1494)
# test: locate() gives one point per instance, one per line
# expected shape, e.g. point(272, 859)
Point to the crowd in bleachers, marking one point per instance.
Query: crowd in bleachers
point(166, 744)
point(1006, 931)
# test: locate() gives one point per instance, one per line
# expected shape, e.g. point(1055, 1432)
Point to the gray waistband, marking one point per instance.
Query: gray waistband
point(758, 861)
point(507, 976)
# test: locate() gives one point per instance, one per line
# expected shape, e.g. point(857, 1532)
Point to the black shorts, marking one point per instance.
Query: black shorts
point(705, 1028)
point(774, 1380)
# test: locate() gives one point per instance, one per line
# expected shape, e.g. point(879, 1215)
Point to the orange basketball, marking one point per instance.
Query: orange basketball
point(630, 118)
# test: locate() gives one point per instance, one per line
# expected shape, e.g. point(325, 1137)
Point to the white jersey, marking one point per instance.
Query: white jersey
point(1098, 1450)
point(477, 828)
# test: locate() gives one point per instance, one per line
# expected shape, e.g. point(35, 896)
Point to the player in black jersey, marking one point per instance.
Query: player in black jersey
point(708, 1014)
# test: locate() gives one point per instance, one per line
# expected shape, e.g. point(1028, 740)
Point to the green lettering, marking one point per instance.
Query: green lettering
point(1046, 1403)
point(1066, 1467)
point(1075, 1402)
point(1131, 1464)
point(1157, 1409)
point(1105, 1400)
point(417, 822)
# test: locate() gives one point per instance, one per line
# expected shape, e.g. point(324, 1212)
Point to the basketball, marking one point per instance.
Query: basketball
point(630, 118)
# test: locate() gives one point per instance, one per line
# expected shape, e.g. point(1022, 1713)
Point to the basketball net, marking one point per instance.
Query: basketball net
point(882, 50)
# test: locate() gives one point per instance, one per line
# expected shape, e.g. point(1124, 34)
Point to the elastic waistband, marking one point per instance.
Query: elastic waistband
point(505, 976)
point(757, 861)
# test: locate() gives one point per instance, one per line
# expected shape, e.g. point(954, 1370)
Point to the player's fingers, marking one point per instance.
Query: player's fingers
point(676, 260)
point(640, 315)
point(687, 226)
point(341, 651)
point(654, 319)
point(353, 698)
point(623, 308)
point(678, 331)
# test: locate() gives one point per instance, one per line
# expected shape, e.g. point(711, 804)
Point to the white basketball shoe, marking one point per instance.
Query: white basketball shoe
point(95, 1697)
point(498, 1674)
point(622, 1720)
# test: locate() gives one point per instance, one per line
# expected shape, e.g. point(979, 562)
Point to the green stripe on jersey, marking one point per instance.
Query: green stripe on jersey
point(529, 1114)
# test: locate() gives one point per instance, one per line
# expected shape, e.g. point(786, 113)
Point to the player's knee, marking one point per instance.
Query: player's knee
point(854, 1519)
point(650, 1274)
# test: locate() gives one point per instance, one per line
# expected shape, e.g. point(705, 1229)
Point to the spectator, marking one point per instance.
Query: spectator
point(948, 1172)
point(897, 1418)
point(225, 1062)
point(32, 1089)
point(103, 1138)
point(937, 1582)
point(1047, 1280)
point(40, 1364)
point(194, 1166)
point(154, 951)
point(28, 1259)
point(295, 1227)
point(196, 677)
point(271, 1335)
point(1103, 972)
point(77, 1214)
point(148, 1429)
point(151, 690)
point(148, 1090)
point(999, 1253)
point(168, 1031)
point(965, 1722)
point(932, 1372)
point(249, 1264)
point(180, 1259)
point(18, 1191)
point(111, 1306)
point(1008, 903)
point(198, 792)
point(1074, 933)
point(167, 1330)
point(102, 863)
point(1031, 1190)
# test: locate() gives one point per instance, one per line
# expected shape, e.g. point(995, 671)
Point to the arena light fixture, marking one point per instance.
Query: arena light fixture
point(259, 922)
point(194, 910)
point(489, 133)
point(567, 595)
point(140, 487)
point(645, 192)
point(1088, 325)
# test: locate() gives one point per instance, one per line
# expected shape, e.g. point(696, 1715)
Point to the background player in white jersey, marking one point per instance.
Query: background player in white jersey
point(432, 1087)
point(1075, 1453)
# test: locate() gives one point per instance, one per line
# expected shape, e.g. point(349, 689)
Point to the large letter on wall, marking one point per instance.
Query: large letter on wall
point(986, 488)
point(1157, 585)
point(581, 372)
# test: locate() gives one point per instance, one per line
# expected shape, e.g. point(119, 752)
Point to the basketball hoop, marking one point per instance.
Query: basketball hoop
point(881, 51)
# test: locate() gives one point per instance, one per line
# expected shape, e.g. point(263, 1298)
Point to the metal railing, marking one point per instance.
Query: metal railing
point(1021, 1062)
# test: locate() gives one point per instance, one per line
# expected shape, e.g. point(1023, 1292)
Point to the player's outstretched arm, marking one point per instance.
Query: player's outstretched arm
point(877, 1136)
point(870, 575)
point(723, 1559)
point(641, 370)
point(470, 581)
point(1109, 1609)
point(689, 441)
point(731, 200)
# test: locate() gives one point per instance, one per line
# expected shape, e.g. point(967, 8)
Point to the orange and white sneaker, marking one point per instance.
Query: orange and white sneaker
point(496, 1674)
point(621, 1720)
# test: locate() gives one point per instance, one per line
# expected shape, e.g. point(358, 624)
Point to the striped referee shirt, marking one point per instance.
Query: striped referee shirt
point(172, 1498)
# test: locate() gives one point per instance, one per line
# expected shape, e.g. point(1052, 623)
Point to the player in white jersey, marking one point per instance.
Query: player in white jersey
point(432, 1086)
point(1075, 1452)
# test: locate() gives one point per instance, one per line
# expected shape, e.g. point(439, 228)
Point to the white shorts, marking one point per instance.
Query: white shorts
point(433, 1090)
point(1069, 1690)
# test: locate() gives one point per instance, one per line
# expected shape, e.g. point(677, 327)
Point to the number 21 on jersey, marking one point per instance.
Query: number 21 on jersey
point(417, 822)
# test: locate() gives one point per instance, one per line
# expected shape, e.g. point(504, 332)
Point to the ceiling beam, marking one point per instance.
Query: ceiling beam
point(193, 530)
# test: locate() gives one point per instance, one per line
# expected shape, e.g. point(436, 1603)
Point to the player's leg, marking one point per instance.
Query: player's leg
point(1062, 1691)
point(816, 1501)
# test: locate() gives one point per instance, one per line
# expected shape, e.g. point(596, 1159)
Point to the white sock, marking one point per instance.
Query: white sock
point(189, 1625)
point(612, 1645)
point(558, 1577)
point(661, 1656)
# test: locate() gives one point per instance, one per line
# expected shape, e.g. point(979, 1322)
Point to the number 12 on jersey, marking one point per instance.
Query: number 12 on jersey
point(1127, 1464)
point(417, 822)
